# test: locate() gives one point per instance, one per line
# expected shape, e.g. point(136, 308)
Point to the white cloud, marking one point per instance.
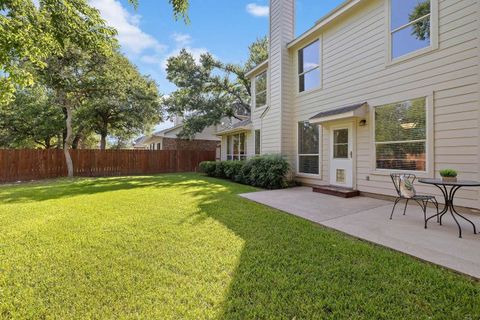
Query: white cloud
point(182, 39)
point(131, 37)
point(257, 10)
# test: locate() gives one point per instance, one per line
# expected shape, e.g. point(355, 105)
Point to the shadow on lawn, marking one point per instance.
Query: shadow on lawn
point(290, 268)
point(63, 188)
point(293, 269)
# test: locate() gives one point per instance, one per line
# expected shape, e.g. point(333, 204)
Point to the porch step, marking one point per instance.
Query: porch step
point(336, 191)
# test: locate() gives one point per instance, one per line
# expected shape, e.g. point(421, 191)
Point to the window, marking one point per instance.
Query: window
point(261, 90)
point(308, 148)
point(340, 144)
point(410, 26)
point(401, 135)
point(257, 142)
point(309, 67)
point(236, 147)
point(159, 146)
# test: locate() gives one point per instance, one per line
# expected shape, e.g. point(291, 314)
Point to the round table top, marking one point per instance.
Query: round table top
point(461, 183)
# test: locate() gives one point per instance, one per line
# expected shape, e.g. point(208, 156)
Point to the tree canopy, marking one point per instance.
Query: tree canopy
point(33, 31)
point(209, 90)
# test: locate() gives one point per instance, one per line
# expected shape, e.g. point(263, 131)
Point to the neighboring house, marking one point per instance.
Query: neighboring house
point(374, 87)
point(167, 140)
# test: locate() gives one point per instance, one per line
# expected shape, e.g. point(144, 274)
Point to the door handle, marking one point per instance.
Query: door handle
point(351, 154)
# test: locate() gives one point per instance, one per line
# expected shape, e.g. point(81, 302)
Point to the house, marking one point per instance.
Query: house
point(374, 87)
point(167, 139)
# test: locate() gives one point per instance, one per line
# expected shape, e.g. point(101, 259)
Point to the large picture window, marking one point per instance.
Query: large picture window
point(410, 26)
point(309, 73)
point(308, 148)
point(261, 90)
point(401, 136)
point(236, 147)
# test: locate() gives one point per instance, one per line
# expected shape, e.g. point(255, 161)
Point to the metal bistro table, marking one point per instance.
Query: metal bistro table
point(449, 196)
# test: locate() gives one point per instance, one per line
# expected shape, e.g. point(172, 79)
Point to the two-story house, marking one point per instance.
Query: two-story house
point(374, 87)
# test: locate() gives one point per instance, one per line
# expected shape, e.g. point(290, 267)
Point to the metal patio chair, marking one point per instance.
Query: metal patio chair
point(421, 200)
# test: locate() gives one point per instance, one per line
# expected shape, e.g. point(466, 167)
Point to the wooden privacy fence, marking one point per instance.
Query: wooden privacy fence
point(28, 164)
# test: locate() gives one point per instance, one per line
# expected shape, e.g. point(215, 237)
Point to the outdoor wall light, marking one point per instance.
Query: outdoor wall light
point(362, 123)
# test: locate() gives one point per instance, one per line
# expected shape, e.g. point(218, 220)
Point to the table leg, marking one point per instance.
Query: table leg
point(452, 207)
point(445, 208)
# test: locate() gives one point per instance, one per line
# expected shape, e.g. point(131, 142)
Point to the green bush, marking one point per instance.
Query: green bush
point(232, 169)
point(268, 172)
point(208, 167)
point(448, 173)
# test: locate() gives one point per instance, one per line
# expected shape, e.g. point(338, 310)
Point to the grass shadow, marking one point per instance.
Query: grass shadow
point(291, 268)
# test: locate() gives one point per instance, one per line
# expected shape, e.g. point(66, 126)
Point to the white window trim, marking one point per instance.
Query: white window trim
point(255, 93)
point(320, 154)
point(429, 147)
point(320, 67)
point(230, 152)
point(433, 34)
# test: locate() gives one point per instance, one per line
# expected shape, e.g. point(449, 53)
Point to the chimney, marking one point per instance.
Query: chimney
point(278, 128)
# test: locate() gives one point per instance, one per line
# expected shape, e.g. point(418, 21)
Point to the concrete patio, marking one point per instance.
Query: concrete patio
point(367, 218)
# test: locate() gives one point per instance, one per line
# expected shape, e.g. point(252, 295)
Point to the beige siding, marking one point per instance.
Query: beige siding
point(355, 70)
point(276, 124)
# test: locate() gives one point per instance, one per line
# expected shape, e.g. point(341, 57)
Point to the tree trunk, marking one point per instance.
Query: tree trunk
point(68, 142)
point(76, 141)
point(103, 141)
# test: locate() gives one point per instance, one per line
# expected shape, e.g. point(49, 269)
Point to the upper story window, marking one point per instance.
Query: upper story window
point(309, 73)
point(410, 26)
point(261, 90)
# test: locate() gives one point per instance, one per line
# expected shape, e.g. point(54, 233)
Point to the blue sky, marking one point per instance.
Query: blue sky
point(225, 28)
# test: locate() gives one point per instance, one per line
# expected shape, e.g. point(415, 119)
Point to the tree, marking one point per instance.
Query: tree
point(209, 90)
point(71, 76)
point(30, 32)
point(33, 33)
point(31, 120)
point(126, 102)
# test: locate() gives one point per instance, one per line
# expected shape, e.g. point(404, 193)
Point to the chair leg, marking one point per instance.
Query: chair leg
point(396, 201)
point(435, 203)
point(425, 203)
point(405, 209)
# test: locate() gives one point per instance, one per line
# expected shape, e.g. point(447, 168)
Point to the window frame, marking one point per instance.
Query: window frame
point(429, 144)
point(264, 91)
point(319, 67)
point(320, 153)
point(230, 147)
point(433, 34)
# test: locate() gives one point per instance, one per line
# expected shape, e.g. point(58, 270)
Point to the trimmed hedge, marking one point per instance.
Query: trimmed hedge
point(268, 172)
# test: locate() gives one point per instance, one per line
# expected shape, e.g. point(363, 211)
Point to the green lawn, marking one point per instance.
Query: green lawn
point(188, 247)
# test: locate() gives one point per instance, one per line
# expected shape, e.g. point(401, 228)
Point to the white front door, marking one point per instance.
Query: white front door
point(341, 155)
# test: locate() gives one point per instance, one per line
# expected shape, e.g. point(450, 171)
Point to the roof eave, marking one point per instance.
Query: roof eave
point(257, 69)
point(335, 13)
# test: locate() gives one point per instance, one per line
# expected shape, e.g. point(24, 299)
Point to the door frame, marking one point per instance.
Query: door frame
point(352, 124)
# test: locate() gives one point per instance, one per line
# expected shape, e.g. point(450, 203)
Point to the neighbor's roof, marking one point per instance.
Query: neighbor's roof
point(162, 132)
point(332, 15)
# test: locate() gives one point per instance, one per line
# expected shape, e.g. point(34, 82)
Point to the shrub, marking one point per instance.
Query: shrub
point(208, 167)
point(232, 168)
point(448, 173)
point(268, 172)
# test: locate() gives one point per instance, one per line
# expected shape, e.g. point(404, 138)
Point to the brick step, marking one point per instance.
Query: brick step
point(336, 191)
